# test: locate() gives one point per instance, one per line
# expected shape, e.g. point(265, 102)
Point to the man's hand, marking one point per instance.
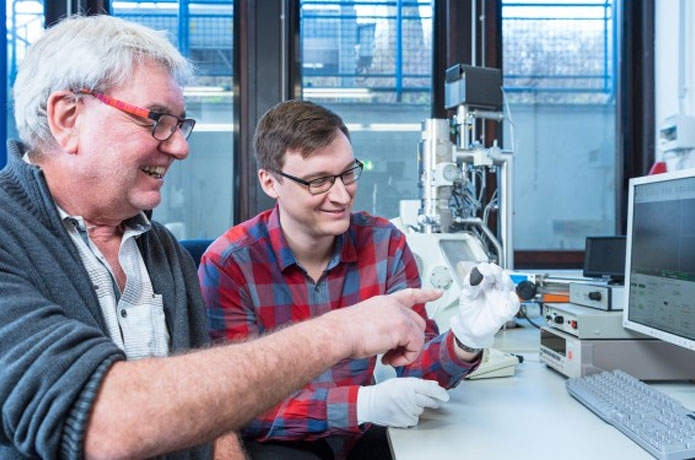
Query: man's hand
point(387, 324)
point(484, 308)
point(398, 402)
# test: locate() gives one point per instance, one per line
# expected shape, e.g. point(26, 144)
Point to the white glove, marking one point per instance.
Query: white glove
point(484, 308)
point(398, 402)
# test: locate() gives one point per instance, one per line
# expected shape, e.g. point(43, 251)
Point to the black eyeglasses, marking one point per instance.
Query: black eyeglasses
point(165, 124)
point(323, 184)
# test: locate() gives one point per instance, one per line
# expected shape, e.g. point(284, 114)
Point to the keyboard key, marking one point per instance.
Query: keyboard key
point(673, 446)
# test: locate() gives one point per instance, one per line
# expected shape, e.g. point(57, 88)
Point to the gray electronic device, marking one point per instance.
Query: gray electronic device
point(587, 323)
point(648, 359)
point(603, 296)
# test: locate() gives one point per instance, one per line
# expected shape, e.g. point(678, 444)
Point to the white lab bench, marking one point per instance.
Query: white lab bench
point(528, 416)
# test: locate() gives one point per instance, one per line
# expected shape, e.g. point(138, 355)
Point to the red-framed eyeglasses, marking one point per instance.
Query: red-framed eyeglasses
point(165, 124)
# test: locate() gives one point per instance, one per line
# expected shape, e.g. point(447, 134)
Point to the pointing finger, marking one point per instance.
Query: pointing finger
point(414, 296)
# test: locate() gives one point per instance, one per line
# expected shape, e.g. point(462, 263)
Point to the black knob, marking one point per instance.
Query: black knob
point(596, 295)
point(559, 319)
point(526, 290)
point(476, 276)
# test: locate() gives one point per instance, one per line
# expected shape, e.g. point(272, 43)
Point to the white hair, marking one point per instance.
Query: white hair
point(85, 52)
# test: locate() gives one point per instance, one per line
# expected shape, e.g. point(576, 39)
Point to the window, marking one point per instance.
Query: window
point(370, 62)
point(197, 194)
point(559, 79)
point(25, 19)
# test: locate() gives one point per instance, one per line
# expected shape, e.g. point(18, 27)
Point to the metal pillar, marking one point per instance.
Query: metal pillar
point(183, 35)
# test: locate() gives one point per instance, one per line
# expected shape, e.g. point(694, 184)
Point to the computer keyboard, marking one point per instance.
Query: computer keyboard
point(659, 424)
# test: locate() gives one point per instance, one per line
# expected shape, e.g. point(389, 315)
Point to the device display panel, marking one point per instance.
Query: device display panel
point(553, 342)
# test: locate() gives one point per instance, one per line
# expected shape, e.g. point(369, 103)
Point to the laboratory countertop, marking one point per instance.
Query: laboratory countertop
point(528, 416)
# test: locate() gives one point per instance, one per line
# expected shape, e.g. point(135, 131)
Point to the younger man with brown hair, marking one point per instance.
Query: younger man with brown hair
point(309, 255)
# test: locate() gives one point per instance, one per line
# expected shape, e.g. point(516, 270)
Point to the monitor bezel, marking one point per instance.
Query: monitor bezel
point(627, 323)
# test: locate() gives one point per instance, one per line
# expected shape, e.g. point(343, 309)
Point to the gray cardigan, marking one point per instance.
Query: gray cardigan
point(54, 346)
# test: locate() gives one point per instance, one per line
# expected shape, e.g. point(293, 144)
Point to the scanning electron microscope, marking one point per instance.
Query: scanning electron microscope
point(448, 229)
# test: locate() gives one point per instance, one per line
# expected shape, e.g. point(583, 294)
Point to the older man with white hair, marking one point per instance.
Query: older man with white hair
point(100, 308)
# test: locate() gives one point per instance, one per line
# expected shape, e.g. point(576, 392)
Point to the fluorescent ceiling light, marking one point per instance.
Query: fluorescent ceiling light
point(384, 127)
point(213, 127)
point(207, 91)
point(338, 93)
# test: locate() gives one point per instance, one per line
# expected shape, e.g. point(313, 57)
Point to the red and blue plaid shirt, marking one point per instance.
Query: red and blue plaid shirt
point(252, 283)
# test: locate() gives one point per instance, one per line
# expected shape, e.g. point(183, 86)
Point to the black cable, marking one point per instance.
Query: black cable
point(522, 310)
point(519, 357)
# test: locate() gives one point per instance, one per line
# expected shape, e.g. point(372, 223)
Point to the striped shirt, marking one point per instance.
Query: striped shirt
point(135, 317)
point(252, 283)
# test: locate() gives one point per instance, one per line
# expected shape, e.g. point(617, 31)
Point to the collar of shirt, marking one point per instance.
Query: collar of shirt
point(343, 249)
point(136, 225)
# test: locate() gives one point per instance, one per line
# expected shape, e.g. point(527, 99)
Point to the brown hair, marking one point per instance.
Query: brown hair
point(294, 125)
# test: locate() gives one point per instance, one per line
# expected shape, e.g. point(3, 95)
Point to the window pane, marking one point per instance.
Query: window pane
point(24, 26)
point(559, 78)
point(370, 62)
point(197, 195)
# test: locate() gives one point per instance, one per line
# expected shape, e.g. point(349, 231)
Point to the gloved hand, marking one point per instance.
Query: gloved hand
point(484, 308)
point(398, 402)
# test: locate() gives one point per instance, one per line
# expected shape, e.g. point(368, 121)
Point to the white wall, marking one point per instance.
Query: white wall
point(670, 50)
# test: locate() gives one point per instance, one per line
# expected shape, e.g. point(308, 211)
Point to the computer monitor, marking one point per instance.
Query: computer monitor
point(660, 257)
point(604, 257)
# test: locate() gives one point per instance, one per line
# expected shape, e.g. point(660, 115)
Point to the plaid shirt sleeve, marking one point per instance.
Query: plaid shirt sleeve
point(229, 308)
point(438, 360)
point(310, 413)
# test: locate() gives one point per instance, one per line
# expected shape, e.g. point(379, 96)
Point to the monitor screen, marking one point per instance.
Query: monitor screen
point(604, 256)
point(660, 261)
